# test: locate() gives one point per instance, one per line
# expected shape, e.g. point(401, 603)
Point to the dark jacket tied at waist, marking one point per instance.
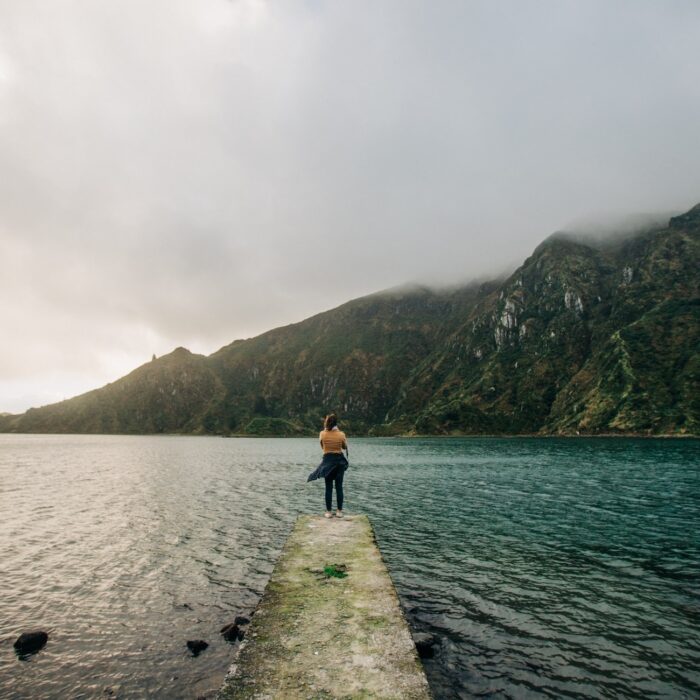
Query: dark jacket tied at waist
point(330, 462)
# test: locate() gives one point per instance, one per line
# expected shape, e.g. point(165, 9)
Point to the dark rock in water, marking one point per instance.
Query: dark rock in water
point(230, 632)
point(197, 646)
point(424, 644)
point(30, 642)
point(240, 620)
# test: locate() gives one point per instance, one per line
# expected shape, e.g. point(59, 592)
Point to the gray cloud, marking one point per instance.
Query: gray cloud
point(190, 173)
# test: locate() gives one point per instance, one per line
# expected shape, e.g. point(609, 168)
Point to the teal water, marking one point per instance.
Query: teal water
point(545, 568)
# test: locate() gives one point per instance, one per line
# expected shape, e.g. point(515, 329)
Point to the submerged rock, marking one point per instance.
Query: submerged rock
point(230, 632)
point(30, 642)
point(197, 646)
point(425, 644)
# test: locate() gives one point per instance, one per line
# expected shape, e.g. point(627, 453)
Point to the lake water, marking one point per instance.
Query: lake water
point(546, 568)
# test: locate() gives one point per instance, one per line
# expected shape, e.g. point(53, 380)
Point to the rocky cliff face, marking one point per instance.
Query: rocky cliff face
point(577, 340)
point(580, 339)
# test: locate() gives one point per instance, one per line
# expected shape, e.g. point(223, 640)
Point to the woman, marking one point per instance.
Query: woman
point(334, 464)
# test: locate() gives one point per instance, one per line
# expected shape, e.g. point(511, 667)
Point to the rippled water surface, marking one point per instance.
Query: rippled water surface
point(546, 568)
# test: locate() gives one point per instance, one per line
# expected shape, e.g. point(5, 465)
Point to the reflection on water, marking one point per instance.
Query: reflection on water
point(546, 568)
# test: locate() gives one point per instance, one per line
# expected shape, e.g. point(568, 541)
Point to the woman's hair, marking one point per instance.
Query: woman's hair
point(330, 421)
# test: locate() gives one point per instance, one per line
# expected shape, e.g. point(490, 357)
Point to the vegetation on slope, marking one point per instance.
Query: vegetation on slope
point(581, 339)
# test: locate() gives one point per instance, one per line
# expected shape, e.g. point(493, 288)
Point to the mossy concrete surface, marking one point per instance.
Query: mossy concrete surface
point(316, 635)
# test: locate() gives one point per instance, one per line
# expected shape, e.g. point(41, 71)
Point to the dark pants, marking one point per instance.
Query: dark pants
point(337, 476)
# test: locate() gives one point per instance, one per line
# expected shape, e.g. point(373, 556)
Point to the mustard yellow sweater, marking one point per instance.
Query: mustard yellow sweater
point(332, 441)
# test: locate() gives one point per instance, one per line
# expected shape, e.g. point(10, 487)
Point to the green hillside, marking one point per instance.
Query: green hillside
point(169, 394)
point(578, 340)
point(581, 339)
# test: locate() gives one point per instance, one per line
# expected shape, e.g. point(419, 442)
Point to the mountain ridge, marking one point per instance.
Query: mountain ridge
point(579, 339)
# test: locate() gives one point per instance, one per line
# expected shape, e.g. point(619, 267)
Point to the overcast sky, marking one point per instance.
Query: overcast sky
point(192, 172)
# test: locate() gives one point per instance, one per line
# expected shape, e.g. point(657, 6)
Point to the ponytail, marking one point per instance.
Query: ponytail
point(330, 421)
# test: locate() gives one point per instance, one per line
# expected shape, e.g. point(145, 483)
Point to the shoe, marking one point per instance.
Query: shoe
point(328, 514)
point(338, 513)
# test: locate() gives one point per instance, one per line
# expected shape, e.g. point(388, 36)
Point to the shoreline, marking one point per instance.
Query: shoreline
point(428, 436)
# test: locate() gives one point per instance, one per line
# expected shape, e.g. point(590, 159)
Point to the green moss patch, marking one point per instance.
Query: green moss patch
point(335, 571)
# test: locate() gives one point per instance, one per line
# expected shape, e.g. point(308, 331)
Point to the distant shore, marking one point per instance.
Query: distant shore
point(405, 436)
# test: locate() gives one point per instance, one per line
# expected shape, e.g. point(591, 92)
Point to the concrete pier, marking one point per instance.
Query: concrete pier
point(320, 634)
